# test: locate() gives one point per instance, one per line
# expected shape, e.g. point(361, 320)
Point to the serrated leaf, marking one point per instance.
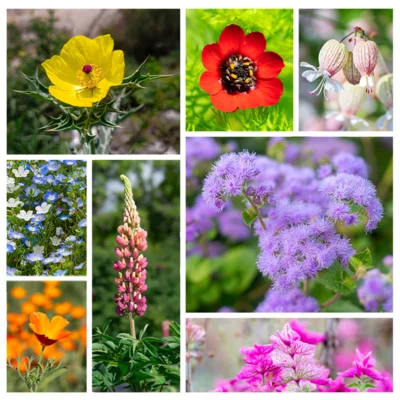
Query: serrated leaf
point(336, 279)
point(248, 217)
point(363, 259)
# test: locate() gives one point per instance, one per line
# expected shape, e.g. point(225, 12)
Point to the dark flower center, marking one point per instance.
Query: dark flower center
point(237, 74)
point(87, 69)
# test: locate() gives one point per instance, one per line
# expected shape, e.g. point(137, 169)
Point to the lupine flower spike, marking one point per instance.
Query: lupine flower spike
point(131, 266)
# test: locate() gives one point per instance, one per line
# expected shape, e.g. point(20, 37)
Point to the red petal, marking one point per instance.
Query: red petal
point(211, 57)
point(248, 100)
point(211, 82)
point(224, 102)
point(269, 65)
point(269, 91)
point(231, 39)
point(254, 44)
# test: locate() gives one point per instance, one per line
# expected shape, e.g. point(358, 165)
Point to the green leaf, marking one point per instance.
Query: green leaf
point(353, 385)
point(363, 259)
point(336, 278)
point(249, 217)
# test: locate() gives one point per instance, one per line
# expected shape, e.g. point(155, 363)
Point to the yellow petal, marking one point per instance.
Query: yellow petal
point(57, 324)
point(69, 97)
point(39, 323)
point(59, 73)
point(117, 71)
point(106, 45)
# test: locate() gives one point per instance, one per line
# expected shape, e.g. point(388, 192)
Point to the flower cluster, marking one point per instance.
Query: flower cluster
point(195, 338)
point(131, 266)
point(46, 217)
point(288, 364)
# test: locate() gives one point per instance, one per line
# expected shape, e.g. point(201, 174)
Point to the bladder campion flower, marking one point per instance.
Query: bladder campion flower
point(48, 332)
point(240, 74)
point(365, 57)
point(85, 70)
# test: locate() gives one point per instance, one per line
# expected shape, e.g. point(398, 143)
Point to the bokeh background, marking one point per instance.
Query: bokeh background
point(156, 191)
point(221, 266)
point(317, 27)
point(204, 27)
point(36, 35)
point(224, 338)
point(67, 299)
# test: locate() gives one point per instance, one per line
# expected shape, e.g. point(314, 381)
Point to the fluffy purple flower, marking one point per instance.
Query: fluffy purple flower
point(231, 225)
point(354, 191)
point(199, 219)
point(324, 171)
point(375, 291)
point(200, 149)
point(228, 177)
point(363, 366)
point(320, 148)
point(350, 164)
point(292, 301)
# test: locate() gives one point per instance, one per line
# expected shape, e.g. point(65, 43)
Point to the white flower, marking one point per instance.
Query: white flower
point(59, 231)
point(10, 181)
point(55, 240)
point(71, 238)
point(38, 249)
point(43, 209)
point(21, 172)
point(27, 216)
point(13, 203)
point(327, 83)
point(385, 122)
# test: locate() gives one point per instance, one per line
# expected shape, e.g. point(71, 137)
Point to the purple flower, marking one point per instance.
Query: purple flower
point(200, 149)
point(231, 225)
point(320, 148)
point(324, 171)
point(363, 366)
point(388, 261)
point(292, 301)
point(350, 164)
point(199, 219)
point(228, 177)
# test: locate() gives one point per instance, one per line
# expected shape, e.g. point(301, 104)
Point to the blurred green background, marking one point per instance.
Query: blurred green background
point(36, 35)
point(204, 27)
point(317, 27)
point(156, 191)
point(232, 279)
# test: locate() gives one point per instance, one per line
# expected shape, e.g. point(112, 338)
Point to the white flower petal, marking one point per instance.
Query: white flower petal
point(311, 76)
point(332, 85)
point(307, 65)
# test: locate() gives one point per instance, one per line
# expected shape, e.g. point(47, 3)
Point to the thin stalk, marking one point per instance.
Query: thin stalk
point(306, 287)
point(132, 326)
point(189, 377)
point(256, 210)
point(331, 301)
point(39, 366)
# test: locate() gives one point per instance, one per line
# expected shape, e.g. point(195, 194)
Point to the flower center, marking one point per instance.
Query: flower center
point(89, 76)
point(237, 74)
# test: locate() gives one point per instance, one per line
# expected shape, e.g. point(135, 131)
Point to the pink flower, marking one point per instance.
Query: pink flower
point(306, 336)
point(195, 339)
point(336, 385)
point(363, 366)
point(131, 281)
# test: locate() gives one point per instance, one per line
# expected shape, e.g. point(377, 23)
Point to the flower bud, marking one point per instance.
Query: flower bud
point(332, 56)
point(384, 90)
point(365, 57)
point(350, 71)
point(351, 99)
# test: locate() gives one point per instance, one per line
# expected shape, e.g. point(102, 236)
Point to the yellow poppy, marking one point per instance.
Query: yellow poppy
point(48, 332)
point(85, 70)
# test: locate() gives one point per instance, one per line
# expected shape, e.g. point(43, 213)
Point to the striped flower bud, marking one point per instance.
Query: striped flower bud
point(350, 71)
point(365, 57)
point(332, 56)
point(351, 99)
point(384, 90)
point(131, 239)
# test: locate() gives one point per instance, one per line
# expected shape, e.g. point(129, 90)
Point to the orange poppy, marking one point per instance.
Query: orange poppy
point(78, 312)
point(18, 292)
point(63, 308)
point(48, 332)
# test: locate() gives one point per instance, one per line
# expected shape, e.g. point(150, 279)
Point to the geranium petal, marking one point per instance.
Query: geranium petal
point(269, 91)
point(56, 326)
point(211, 82)
point(231, 40)
point(211, 57)
point(224, 102)
point(269, 65)
point(254, 44)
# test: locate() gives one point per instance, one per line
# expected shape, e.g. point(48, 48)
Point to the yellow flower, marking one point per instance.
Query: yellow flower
point(85, 70)
point(48, 332)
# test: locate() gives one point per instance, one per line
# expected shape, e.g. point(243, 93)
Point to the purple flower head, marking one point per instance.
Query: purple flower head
point(200, 149)
point(363, 366)
point(131, 265)
point(231, 225)
point(353, 191)
point(293, 301)
point(388, 260)
point(228, 177)
point(350, 164)
point(324, 171)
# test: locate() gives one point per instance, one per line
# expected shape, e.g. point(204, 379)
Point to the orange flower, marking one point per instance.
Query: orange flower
point(51, 290)
point(40, 300)
point(28, 308)
point(18, 292)
point(48, 332)
point(78, 312)
point(63, 308)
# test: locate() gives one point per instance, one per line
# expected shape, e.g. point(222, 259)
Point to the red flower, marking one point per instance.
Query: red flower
point(240, 74)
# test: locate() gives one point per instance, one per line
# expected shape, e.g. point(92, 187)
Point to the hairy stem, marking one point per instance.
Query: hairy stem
point(132, 326)
point(256, 210)
point(331, 300)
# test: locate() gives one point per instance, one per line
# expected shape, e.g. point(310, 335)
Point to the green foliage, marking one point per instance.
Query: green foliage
point(146, 364)
point(156, 191)
point(204, 27)
point(336, 279)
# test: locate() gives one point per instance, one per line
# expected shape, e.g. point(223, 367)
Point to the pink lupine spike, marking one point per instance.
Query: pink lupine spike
point(132, 240)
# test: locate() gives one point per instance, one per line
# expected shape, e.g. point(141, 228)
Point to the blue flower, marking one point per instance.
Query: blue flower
point(15, 235)
point(10, 246)
point(34, 257)
point(31, 191)
point(39, 180)
point(33, 228)
point(11, 271)
point(60, 272)
point(51, 197)
point(79, 266)
point(82, 223)
point(53, 166)
point(64, 252)
point(69, 162)
point(38, 218)
point(44, 169)
point(79, 203)
point(54, 258)
point(64, 217)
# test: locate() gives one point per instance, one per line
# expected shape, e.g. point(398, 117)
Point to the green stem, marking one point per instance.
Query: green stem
point(306, 287)
point(331, 300)
point(39, 366)
point(132, 326)
point(256, 210)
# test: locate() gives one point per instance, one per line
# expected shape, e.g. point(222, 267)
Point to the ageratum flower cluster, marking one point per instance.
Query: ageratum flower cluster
point(298, 210)
point(131, 266)
point(288, 364)
point(46, 217)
